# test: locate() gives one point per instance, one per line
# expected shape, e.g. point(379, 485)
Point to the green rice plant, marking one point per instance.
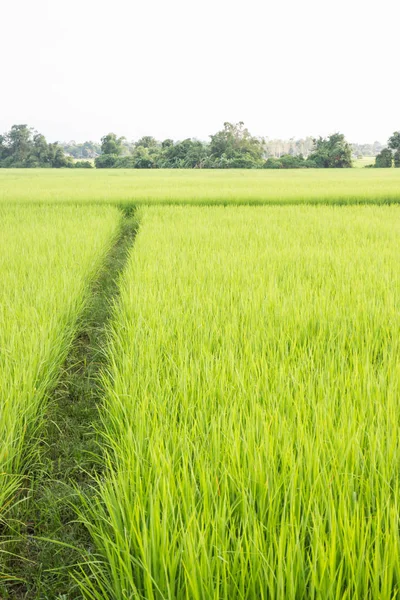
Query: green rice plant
point(252, 410)
point(198, 186)
point(47, 257)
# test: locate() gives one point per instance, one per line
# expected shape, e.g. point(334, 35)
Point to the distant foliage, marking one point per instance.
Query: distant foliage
point(111, 148)
point(233, 147)
point(83, 164)
point(81, 151)
point(394, 144)
point(277, 148)
point(384, 160)
point(287, 161)
point(111, 144)
point(332, 152)
point(361, 150)
point(391, 155)
point(23, 147)
point(105, 161)
point(188, 154)
point(394, 141)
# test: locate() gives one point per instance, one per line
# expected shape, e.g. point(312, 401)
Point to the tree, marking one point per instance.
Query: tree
point(146, 153)
point(287, 161)
point(394, 144)
point(124, 162)
point(111, 148)
point(332, 152)
point(384, 159)
point(273, 163)
point(4, 149)
point(19, 142)
point(105, 161)
point(58, 159)
point(394, 141)
point(111, 144)
point(235, 147)
point(24, 147)
point(147, 141)
point(188, 154)
point(391, 154)
point(167, 143)
point(292, 162)
point(376, 148)
point(83, 164)
point(142, 158)
point(41, 149)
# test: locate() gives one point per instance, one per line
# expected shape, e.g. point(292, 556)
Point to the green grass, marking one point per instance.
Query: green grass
point(252, 410)
point(249, 425)
point(341, 186)
point(48, 256)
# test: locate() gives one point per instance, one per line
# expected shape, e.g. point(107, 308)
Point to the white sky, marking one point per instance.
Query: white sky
point(78, 69)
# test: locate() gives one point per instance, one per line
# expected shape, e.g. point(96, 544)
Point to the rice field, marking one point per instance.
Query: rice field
point(252, 409)
point(249, 420)
point(47, 259)
point(338, 186)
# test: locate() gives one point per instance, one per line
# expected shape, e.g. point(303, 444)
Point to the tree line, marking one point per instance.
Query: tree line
point(231, 147)
point(273, 148)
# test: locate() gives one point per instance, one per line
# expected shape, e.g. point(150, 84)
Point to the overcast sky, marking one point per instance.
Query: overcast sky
point(78, 69)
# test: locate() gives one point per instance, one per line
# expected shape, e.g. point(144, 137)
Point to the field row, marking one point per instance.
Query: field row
point(47, 258)
point(336, 186)
point(252, 408)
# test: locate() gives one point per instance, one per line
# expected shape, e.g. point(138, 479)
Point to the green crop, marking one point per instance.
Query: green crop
point(252, 410)
point(249, 429)
point(338, 186)
point(48, 255)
